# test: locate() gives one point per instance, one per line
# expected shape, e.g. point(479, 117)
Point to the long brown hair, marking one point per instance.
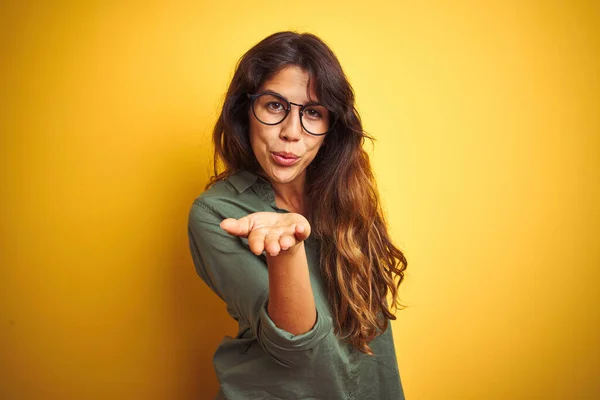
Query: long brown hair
point(360, 264)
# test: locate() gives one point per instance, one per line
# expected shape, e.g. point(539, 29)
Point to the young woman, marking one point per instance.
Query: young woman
point(291, 235)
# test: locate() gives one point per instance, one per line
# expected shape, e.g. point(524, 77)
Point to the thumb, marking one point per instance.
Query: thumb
point(236, 227)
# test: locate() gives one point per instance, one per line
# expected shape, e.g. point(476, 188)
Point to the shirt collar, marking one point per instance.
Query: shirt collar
point(243, 179)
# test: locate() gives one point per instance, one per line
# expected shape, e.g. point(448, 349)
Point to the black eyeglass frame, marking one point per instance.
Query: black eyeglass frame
point(253, 97)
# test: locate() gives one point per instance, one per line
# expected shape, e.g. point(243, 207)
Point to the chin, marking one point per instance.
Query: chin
point(281, 175)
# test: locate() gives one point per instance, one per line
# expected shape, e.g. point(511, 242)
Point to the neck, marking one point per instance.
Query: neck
point(290, 196)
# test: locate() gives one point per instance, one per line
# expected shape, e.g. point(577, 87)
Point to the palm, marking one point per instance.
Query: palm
point(269, 231)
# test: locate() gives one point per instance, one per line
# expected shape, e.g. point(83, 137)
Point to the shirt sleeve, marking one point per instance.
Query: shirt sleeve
point(240, 278)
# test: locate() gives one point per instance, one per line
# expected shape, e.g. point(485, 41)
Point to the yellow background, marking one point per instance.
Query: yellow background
point(487, 126)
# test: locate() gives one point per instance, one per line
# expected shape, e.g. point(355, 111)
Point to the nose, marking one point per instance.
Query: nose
point(291, 128)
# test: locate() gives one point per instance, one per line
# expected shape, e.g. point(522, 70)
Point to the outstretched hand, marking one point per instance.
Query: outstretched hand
point(269, 231)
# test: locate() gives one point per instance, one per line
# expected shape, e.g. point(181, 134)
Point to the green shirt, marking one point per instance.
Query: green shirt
point(264, 361)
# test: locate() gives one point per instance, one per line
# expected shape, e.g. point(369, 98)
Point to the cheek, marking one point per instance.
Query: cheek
point(312, 149)
point(261, 140)
point(256, 135)
point(315, 146)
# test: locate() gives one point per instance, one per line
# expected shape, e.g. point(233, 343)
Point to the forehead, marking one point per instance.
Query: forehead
point(293, 83)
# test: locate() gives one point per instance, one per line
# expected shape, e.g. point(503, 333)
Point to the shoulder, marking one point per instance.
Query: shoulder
point(219, 190)
point(215, 199)
point(228, 198)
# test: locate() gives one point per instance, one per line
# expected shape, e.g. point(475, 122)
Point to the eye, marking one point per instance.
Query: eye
point(313, 113)
point(275, 106)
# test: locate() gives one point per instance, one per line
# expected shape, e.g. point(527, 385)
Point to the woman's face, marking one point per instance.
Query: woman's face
point(286, 149)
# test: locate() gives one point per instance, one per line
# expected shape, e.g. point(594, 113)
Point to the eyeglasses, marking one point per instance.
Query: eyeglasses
point(271, 108)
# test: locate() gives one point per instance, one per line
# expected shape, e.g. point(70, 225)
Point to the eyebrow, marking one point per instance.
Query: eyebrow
point(266, 90)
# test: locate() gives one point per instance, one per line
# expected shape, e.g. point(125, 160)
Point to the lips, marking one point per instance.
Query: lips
point(284, 159)
point(285, 154)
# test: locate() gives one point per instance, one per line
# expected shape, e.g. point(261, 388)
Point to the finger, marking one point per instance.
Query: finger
point(272, 244)
point(301, 232)
point(286, 242)
point(236, 227)
point(256, 241)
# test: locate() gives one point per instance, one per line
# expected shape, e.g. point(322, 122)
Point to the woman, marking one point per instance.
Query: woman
point(292, 237)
